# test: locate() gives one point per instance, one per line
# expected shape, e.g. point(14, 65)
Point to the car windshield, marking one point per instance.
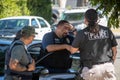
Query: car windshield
point(13, 23)
point(73, 16)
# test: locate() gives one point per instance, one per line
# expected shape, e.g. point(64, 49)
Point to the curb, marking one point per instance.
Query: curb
point(116, 31)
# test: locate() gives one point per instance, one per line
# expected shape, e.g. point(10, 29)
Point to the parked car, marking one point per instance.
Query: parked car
point(40, 73)
point(4, 44)
point(33, 49)
point(55, 15)
point(76, 17)
point(10, 25)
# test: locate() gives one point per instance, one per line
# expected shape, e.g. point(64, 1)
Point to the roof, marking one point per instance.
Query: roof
point(21, 17)
point(76, 10)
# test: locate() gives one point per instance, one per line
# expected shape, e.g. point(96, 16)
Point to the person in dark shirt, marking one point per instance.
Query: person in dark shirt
point(97, 46)
point(55, 43)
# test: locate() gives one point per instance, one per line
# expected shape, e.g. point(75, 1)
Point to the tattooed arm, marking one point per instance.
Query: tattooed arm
point(16, 66)
point(114, 50)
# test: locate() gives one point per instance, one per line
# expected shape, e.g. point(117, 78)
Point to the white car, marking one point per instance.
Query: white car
point(76, 17)
point(9, 26)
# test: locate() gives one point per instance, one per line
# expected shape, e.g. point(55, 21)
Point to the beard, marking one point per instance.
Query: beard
point(65, 34)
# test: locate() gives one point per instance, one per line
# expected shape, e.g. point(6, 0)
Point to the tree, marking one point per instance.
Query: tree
point(13, 8)
point(26, 7)
point(40, 8)
point(111, 8)
point(23, 7)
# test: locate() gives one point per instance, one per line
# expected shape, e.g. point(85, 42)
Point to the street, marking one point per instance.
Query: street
point(117, 62)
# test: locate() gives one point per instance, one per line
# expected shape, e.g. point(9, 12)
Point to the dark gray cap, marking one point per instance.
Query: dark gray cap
point(28, 31)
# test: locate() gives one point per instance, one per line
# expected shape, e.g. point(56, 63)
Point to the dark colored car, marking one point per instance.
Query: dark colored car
point(34, 50)
point(4, 44)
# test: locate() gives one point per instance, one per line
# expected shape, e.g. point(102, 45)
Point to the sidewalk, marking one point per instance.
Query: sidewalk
point(116, 31)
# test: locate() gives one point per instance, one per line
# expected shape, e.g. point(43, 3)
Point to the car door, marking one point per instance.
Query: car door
point(45, 27)
point(37, 27)
point(34, 50)
point(41, 27)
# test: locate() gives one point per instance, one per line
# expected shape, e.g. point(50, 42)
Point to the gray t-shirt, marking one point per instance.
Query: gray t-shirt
point(18, 52)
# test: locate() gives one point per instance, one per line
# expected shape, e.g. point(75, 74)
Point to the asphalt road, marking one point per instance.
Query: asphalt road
point(117, 62)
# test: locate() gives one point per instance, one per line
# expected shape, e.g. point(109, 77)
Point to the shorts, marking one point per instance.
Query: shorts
point(103, 71)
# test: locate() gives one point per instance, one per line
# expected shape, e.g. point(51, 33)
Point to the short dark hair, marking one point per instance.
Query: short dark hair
point(91, 16)
point(61, 22)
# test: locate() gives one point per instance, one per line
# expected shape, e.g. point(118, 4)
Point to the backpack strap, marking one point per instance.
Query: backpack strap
point(8, 52)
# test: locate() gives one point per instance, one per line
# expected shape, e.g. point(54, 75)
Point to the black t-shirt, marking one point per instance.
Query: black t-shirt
point(95, 47)
point(59, 59)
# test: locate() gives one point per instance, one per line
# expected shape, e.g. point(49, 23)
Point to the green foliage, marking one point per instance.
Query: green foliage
point(26, 7)
point(111, 9)
point(13, 8)
point(23, 7)
point(40, 8)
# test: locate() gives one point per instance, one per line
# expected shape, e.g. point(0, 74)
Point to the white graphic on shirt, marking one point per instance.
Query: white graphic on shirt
point(102, 34)
point(68, 41)
point(57, 40)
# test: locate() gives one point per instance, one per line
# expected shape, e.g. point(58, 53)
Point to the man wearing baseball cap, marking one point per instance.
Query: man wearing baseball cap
point(19, 64)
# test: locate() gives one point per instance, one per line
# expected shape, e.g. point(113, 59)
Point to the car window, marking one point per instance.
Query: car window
point(34, 50)
point(42, 23)
point(13, 23)
point(73, 16)
point(34, 22)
